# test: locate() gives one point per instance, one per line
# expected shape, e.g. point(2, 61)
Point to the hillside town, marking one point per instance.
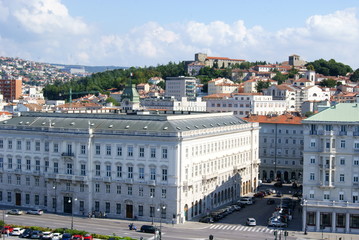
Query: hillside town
point(226, 140)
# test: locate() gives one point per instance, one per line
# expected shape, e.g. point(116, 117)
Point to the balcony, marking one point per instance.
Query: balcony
point(313, 132)
point(67, 155)
point(151, 182)
point(343, 133)
point(355, 134)
point(129, 181)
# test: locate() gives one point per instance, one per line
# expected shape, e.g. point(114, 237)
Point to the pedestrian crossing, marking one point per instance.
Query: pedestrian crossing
point(229, 227)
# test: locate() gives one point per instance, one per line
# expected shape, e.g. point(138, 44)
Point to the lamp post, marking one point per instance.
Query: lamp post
point(152, 212)
point(162, 209)
point(72, 212)
point(305, 216)
point(55, 189)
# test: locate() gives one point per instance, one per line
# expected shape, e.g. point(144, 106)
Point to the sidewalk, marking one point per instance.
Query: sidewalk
point(325, 235)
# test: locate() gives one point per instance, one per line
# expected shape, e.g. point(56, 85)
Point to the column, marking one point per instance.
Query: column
point(317, 221)
point(304, 207)
point(347, 222)
point(334, 220)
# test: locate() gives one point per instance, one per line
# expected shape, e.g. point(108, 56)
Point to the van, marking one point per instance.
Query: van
point(246, 200)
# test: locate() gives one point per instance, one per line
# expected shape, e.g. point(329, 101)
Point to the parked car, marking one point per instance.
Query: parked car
point(259, 194)
point(148, 229)
point(245, 200)
point(236, 207)
point(88, 237)
point(66, 236)
point(7, 229)
point(15, 212)
point(206, 219)
point(275, 222)
point(279, 194)
point(47, 235)
point(27, 233)
point(17, 231)
point(251, 222)
point(270, 201)
point(35, 211)
point(77, 237)
point(56, 236)
point(278, 184)
point(36, 234)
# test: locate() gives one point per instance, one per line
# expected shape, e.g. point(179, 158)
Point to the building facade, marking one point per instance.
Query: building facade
point(127, 166)
point(331, 170)
point(181, 87)
point(172, 104)
point(10, 88)
point(280, 146)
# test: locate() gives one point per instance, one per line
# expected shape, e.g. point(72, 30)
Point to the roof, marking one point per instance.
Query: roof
point(281, 119)
point(218, 95)
point(122, 123)
point(342, 112)
point(225, 58)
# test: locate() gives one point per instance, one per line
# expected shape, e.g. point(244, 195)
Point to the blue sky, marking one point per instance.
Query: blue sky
point(147, 33)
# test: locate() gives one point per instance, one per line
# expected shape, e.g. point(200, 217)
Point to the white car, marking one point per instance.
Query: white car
point(245, 200)
point(56, 236)
point(251, 222)
point(15, 212)
point(47, 235)
point(17, 231)
point(35, 212)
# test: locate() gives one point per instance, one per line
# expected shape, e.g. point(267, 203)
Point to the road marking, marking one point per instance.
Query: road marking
point(233, 227)
point(237, 228)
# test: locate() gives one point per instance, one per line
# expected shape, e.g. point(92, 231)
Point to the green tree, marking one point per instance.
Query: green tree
point(330, 68)
point(261, 85)
point(113, 101)
point(355, 76)
point(280, 78)
point(328, 83)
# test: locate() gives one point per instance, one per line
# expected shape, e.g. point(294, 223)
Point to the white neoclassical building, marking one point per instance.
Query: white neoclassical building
point(331, 170)
point(127, 165)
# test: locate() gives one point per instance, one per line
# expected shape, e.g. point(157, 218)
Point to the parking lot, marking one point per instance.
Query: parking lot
point(262, 211)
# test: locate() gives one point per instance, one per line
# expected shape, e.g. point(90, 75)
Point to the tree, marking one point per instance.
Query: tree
point(261, 85)
point(280, 78)
point(328, 83)
point(329, 68)
point(355, 76)
point(113, 101)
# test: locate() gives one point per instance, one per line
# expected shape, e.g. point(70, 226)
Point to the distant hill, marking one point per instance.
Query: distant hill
point(88, 69)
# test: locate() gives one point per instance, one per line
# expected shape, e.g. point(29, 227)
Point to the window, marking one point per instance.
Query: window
point(140, 210)
point(356, 161)
point(97, 187)
point(108, 170)
point(118, 189)
point(325, 219)
point(340, 220)
point(82, 187)
point(37, 199)
point(153, 173)
point(18, 164)
point(97, 149)
point(83, 149)
point(107, 207)
point(47, 164)
point(108, 150)
point(163, 213)
point(153, 152)
point(312, 143)
point(130, 151)
point(108, 188)
point(27, 181)
point(1, 163)
point(9, 163)
point(141, 174)
point(37, 146)
point(152, 192)
point(341, 178)
point(18, 180)
point(130, 172)
point(328, 127)
point(326, 196)
point(342, 143)
point(69, 168)
point(37, 165)
point(129, 190)
point(56, 147)
point(142, 152)
point(82, 206)
point(27, 198)
point(354, 220)
point(83, 170)
point(341, 196)
point(312, 177)
point(47, 146)
point(342, 161)
point(97, 206)
point(164, 153)
point(56, 167)
point(118, 208)
point(140, 191)
point(37, 181)
point(28, 164)
point(312, 160)
point(119, 171)
point(1, 144)
point(9, 144)
point(119, 151)
point(355, 178)
point(98, 170)
point(164, 193)
point(356, 145)
point(18, 145)
point(152, 211)
point(164, 174)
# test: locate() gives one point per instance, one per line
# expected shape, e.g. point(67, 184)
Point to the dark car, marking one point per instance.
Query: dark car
point(36, 234)
point(27, 233)
point(148, 229)
point(206, 219)
point(66, 236)
point(278, 184)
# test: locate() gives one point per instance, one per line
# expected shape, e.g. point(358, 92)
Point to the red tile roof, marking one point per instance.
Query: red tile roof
point(281, 119)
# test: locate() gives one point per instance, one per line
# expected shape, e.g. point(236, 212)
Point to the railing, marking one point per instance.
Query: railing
point(313, 132)
point(315, 203)
point(67, 154)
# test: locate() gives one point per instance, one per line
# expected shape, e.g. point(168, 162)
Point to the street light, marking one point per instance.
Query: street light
point(305, 216)
point(3, 221)
point(162, 209)
point(72, 213)
point(55, 189)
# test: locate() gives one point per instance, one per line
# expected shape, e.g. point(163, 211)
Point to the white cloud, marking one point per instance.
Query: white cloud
point(44, 29)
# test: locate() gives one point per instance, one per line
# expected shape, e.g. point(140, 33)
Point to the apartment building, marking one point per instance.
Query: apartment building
point(331, 170)
point(181, 87)
point(11, 88)
point(127, 165)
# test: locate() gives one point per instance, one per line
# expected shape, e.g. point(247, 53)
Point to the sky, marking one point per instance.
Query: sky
point(152, 32)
